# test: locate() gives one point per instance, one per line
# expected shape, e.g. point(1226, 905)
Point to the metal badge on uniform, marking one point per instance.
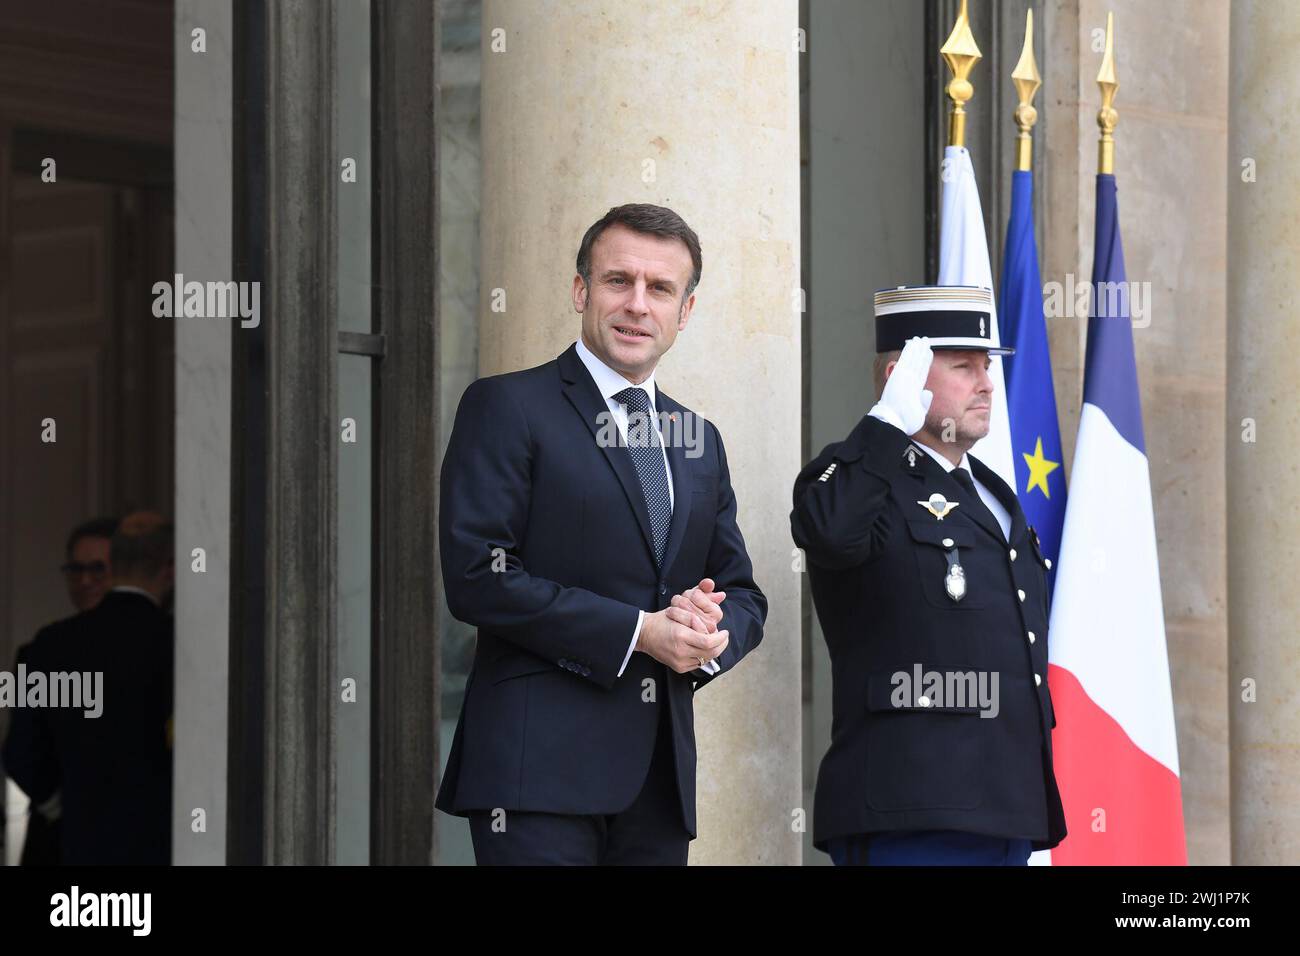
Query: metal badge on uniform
point(955, 582)
point(938, 505)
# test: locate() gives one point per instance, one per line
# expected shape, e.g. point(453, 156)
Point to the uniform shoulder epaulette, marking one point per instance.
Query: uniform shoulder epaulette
point(830, 470)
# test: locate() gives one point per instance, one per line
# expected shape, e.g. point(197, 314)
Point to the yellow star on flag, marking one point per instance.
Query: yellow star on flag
point(1039, 469)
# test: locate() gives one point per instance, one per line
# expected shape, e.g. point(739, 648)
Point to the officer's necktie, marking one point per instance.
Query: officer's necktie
point(975, 502)
point(643, 443)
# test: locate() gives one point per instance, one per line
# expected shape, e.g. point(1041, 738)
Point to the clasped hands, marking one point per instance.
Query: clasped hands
point(685, 635)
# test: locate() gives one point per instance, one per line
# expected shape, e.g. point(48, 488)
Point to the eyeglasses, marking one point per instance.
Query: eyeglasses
point(74, 569)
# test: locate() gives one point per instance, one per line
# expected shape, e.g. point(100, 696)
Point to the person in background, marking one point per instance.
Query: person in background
point(87, 568)
point(108, 769)
point(86, 572)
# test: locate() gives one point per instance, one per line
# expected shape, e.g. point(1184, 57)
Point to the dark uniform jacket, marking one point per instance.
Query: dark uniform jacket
point(901, 756)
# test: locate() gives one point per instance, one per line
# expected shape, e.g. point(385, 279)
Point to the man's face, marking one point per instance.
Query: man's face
point(635, 308)
point(963, 395)
point(89, 580)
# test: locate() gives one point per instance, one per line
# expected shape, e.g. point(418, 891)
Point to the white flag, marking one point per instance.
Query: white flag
point(964, 260)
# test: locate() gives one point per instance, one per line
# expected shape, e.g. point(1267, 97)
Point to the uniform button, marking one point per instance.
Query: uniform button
point(947, 542)
point(1037, 680)
point(663, 589)
point(1048, 563)
point(1031, 637)
point(1013, 554)
point(562, 662)
point(923, 701)
point(1021, 593)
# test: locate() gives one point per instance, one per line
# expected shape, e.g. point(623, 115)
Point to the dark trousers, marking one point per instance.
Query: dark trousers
point(41, 847)
point(651, 832)
point(928, 848)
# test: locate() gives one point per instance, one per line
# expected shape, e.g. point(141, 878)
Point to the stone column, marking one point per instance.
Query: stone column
point(1263, 433)
point(588, 105)
point(204, 229)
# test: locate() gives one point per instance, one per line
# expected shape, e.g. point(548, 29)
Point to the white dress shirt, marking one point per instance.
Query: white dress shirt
point(609, 383)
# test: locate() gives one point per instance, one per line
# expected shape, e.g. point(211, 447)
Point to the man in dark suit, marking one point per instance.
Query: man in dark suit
point(932, 592)
point(87, 575)
point(588, 530)
point(109, 755)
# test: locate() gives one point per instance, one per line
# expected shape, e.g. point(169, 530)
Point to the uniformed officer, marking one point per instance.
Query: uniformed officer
point(932, 593)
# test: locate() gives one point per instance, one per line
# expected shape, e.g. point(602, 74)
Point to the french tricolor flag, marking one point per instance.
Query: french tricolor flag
point(1115, 749)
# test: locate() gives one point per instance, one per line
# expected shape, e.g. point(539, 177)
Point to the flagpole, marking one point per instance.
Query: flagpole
point(1027, 81)
point(961, 54)
point(1106, 116)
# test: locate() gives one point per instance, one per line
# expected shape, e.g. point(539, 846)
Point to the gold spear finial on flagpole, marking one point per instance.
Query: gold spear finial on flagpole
point(1027, 81)
point(961, 55)
point(1106, 116)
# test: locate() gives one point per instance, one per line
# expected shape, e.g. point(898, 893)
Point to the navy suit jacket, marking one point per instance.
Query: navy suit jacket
point(546, 549)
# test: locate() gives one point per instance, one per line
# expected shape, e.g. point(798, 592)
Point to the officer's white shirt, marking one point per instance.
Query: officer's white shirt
point(988, 497)
point(610, 383)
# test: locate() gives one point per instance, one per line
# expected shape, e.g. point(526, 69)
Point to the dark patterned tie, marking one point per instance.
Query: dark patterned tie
point(643, 443)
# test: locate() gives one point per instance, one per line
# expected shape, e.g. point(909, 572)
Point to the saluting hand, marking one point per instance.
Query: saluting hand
point(905, 399)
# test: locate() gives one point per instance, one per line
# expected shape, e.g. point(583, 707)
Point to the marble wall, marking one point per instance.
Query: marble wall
point(203, 367)
point(1263, 433)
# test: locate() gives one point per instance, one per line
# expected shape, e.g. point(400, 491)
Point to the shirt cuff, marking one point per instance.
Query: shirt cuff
point(636, 632)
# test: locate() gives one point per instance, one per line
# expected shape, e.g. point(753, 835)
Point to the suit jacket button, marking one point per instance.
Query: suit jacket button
point(1021, 594)
point(1013, 554)
point(1038, 681)
point(1031, 637)
point(663, 589)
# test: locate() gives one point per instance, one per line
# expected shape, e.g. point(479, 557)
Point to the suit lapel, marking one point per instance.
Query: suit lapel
point(682, 473)
point(581, 391)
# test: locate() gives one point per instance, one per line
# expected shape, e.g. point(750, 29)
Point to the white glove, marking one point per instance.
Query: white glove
point(905, 399)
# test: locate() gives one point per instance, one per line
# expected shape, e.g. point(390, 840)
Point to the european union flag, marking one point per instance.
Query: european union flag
point(1031, 399)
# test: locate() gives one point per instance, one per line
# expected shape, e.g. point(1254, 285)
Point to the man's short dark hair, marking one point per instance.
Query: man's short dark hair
point(649, 220)
point(94, 528)
point(142, 545)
